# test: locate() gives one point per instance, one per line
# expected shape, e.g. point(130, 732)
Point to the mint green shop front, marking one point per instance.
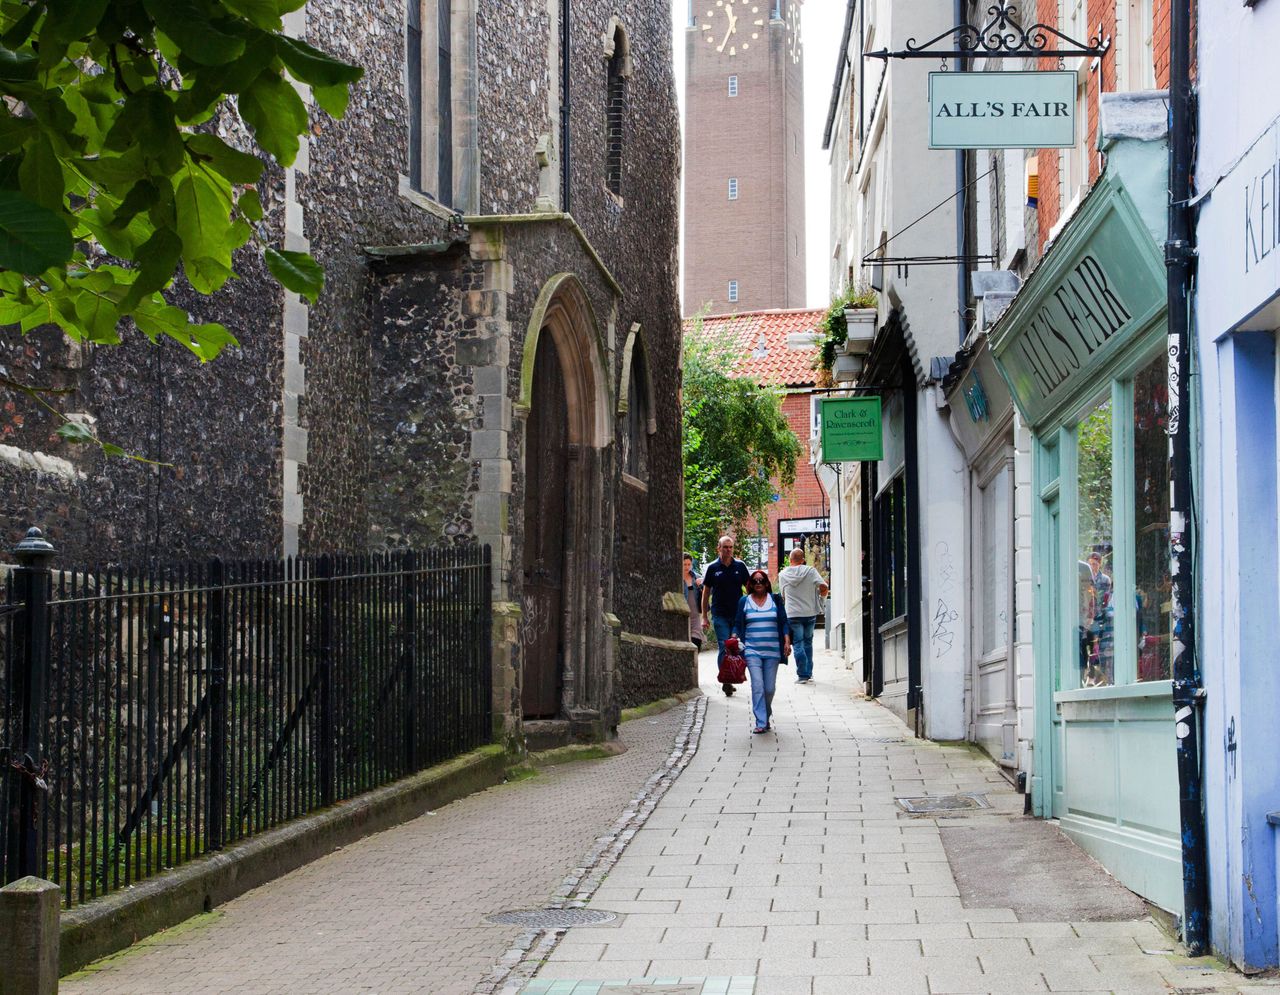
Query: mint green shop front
point(1083, 349)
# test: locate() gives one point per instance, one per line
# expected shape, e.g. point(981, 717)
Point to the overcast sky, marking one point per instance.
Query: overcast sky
point(821, 27)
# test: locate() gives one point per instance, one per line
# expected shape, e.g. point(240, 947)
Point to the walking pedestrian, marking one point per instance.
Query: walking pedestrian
point(693, 595)
point(800, 586)
point(722, 585)
point(761, 624)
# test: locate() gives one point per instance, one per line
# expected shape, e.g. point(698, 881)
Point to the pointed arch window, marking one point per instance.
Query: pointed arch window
point(619, 69)
point(636, 408)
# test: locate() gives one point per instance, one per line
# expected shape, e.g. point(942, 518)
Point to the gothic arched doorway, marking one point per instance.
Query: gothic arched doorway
point(565, 558)
point(546, 466)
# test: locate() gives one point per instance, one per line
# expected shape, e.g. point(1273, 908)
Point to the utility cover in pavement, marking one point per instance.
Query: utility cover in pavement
point(552, 918)
point(943, 803)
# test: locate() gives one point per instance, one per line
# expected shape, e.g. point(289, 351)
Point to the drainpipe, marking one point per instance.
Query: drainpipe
point(566, 172)
point(1188, 691)
point(962, 209)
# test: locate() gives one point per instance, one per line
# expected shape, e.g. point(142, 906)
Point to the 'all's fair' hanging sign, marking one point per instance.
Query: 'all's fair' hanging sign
point(1002, 110)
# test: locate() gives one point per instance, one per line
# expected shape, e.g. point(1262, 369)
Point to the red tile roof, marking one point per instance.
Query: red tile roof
point(760, 339)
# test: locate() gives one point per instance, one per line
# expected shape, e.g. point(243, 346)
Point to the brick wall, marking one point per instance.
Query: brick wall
point(1103, 77)
point(758, 137)
point(806, 498)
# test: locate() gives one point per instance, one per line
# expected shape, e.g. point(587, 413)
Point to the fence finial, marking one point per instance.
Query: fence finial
point(34, 548)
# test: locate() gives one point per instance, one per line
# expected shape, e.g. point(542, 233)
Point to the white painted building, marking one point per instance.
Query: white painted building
point(900, 591)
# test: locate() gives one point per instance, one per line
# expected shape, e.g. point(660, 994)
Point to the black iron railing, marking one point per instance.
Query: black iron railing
point(187, 706)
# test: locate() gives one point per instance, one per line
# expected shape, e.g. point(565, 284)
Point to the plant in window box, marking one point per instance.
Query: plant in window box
point(857, 303)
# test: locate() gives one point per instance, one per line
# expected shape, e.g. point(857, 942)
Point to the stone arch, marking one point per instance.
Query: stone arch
point(566, 564)
point(563, 310)
point(616, 38)
point(637, 345)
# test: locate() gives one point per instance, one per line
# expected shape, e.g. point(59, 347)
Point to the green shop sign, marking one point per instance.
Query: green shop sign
point(851, 429)
point(1002, 110)
point(1102, 284)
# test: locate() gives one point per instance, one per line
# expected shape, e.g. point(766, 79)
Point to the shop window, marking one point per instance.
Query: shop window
point(1153, 592)
point(891, 526)
point(1096, 629)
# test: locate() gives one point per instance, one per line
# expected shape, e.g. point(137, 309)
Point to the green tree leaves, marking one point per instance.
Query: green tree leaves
point(737, 444)
point(296, 271)
point(272, 107)
point(32, 238)
point(109, 185)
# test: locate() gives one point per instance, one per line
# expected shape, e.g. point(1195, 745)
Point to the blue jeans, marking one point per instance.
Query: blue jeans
point(724, 629)
point(802, 643)
point(764, 680)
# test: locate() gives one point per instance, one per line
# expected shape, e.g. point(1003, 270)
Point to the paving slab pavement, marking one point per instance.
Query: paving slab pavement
point(403, 910)
point(781, 864)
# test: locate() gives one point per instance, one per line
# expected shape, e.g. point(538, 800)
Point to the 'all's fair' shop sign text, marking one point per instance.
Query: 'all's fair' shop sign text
point(1002, 110)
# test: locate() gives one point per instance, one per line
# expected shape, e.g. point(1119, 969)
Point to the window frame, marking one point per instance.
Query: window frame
point(1120, 391)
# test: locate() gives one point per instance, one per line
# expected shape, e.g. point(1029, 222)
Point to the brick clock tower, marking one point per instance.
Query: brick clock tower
point(744, 156)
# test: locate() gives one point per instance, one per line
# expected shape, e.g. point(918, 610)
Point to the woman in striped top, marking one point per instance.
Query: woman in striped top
point(762, 626)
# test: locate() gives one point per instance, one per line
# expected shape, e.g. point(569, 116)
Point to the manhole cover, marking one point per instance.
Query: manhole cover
point(943, 803)
point(552, 918)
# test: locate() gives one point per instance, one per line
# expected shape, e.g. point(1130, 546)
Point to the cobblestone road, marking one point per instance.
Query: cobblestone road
point(401, 911)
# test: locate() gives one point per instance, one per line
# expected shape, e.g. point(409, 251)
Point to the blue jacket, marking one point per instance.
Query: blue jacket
point(740, 622)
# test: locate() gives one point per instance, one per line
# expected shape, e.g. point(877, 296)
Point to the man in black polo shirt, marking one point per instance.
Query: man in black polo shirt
point(723, 585)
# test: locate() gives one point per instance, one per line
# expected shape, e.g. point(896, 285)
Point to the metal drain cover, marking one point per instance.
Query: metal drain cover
point(552, 918)
point(943, 803)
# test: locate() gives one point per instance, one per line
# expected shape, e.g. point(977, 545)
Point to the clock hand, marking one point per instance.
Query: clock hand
point(733, 24)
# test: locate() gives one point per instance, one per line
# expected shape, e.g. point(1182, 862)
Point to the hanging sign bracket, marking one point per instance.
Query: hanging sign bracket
point(1002, 37)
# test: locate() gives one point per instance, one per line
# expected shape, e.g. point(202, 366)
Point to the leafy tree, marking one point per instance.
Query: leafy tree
point(736, 442)
point(109, 187)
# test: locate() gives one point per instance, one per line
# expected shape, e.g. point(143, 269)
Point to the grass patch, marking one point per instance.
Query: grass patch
point(659, 706)
point(520, 772)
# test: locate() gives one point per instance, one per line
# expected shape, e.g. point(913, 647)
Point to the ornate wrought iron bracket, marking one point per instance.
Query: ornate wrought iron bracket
point(1002, 37)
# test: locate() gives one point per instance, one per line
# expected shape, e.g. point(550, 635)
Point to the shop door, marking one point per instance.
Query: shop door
point(546, 470)
point(991, 673)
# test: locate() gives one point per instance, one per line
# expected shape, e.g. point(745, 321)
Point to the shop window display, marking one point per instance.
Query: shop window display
point(1096, 629)
point(1154, 582)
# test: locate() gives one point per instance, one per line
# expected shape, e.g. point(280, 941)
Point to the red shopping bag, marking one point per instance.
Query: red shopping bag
point(733, 668)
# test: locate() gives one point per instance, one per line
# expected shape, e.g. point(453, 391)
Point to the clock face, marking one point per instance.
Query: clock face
point(793, 32)
point(729, 25)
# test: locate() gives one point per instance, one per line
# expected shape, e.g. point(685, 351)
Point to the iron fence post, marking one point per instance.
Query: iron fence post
point(409, 573)
point(217, 626)
point(486, 647)
point(328, 747)
point(27, 785)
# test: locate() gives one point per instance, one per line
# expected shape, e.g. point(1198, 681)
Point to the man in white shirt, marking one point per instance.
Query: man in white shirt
point(800, 586)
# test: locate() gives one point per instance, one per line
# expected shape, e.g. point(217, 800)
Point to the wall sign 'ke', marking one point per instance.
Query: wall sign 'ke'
point(1002, 110)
